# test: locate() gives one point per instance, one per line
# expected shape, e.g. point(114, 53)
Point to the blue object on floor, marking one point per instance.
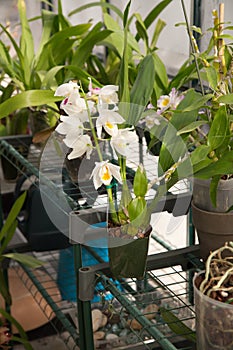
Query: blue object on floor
point(66, 278)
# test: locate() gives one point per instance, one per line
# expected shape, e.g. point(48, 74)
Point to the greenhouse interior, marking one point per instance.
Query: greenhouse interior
point(116, 126)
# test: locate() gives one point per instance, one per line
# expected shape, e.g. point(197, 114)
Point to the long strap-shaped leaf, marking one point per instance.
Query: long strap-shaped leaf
point(27, 99)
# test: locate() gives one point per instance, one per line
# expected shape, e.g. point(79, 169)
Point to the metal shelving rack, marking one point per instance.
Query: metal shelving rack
point(167, 282)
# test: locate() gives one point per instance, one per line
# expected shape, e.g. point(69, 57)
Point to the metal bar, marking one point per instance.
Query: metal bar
point(5, 146)
point(60, 315)
point(146, 324)
point(187, 257)
point(84, 308)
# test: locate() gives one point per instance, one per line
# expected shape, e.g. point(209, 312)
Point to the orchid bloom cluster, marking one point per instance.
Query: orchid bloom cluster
point(165, 105)
point(93, 118)
point(83, 126)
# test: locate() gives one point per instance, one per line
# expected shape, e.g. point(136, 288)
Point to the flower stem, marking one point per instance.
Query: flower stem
point(112, 209)
point(92, 127)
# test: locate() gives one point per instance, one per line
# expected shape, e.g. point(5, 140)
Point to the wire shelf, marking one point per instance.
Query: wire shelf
point(132, 307)
point(164, 285)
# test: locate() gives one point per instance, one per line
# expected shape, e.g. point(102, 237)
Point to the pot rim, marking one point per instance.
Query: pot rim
point(211, 213)
point(205, 297)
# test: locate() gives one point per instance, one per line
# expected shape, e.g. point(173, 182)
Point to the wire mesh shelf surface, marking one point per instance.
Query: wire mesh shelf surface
point(133, 308)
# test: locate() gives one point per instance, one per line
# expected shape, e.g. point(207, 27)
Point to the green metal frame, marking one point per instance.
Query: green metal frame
point(84, 339)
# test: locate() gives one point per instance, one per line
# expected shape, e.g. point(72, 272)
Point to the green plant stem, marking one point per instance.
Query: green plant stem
point(192, 47)
point(112, 209)
point(109, 189)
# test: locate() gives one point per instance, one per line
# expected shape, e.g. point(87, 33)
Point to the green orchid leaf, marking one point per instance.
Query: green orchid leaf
point(184, 75)
point(176, 325)
point(19, 328)
point(141, 90)
point(173, 148)
point(136, 207)
point(8, 236)
point(140, 183)
point(85, 48)
point(24, 342)
point(155, 12)
point(212, 77)
point(126, 14)
point(161, 78)
point(213, 189)
point(124, 95)
point(83, 75)
point(24, 259)
point(17, 206)
point(104, 5)
point(6, 92)
point(6, 60)
point(16, 48)
point(141, 29)
point(57, 48)
point(111, 24)
point(227, 99)
point(27, 99)
point(4, 291)
point(223, 166)
point(26, 40)
point(3, 130)
point(48, 80)
point(219, 130)
point(199, 154)
point(48, 22)
point(191, 127)
point(195, 104)
point(160, 25)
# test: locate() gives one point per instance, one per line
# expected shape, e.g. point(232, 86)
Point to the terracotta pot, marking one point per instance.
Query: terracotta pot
point(201, 195)
point(213, 229)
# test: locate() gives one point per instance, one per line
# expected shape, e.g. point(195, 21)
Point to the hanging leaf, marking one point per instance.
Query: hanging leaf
point(141, 90)
point(219, 129)
point(177, 326)
point(27, 99)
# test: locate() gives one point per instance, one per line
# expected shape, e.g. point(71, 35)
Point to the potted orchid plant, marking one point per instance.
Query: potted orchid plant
point(96, 117)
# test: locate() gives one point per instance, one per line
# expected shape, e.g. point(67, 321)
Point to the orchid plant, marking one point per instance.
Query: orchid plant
point(96, 117)
point(93, 118)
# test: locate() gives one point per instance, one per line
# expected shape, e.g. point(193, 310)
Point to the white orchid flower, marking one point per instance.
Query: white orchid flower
point(92, 91)
point(108, 120)
point(169, 101)
point(164, 103)
point(122, 140)
point(108, 96)
point(104, 172)
point(66, 89)
point(74, 104)
point(81, 145)
point(151, 120)
point(70, 125)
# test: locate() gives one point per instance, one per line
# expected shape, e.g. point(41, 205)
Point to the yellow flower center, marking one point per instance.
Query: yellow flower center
point(165, 101)
point(106, 174)
point(109, 125)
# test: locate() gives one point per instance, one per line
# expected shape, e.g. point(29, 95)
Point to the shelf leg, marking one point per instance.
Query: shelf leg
point(83, 307)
